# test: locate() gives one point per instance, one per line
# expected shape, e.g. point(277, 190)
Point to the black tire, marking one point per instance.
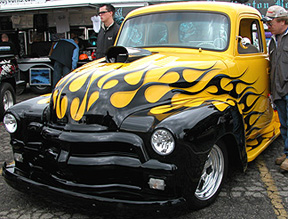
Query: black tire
point(41, 89)
point(7, 97)
point(213, 176)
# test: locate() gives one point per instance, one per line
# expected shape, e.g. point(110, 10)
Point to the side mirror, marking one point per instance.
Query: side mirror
point(244, 42)
point(116, 54)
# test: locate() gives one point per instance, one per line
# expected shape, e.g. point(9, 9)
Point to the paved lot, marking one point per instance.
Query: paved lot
point(260, 192)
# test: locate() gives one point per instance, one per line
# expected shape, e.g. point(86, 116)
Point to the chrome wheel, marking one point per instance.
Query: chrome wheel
point(8, 99)
point(212, 174)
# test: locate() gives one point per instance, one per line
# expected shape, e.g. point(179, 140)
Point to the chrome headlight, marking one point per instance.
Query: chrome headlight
point(162, 142)
point(10, 123)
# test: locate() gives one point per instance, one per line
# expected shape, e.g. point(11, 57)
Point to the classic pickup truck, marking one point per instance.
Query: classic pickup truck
point(182, 97)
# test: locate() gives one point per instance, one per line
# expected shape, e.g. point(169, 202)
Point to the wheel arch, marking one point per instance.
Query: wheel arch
point(25, 67)
point(11, 81)
point(237, 159)
point(197, 129)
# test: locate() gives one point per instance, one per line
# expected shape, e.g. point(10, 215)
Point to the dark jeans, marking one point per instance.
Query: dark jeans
point(282, 108)
point(60, 71)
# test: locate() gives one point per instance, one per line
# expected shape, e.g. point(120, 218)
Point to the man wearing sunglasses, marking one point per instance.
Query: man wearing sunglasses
point(108, 31)
point(277, 22)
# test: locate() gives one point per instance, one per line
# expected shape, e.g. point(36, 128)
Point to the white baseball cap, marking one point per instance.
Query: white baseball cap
point(275, 11)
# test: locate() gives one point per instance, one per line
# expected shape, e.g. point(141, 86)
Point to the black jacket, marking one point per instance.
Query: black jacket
point(279, 67)
point(106, 39)
point(63, 53)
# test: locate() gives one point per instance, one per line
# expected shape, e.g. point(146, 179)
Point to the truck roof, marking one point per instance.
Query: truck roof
point(227, 7)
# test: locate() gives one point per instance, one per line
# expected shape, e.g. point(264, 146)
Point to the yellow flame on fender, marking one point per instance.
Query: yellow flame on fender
point(62, 110)
point(78, 83)
point(77, 110)
point(94, 96)
point(110, 84)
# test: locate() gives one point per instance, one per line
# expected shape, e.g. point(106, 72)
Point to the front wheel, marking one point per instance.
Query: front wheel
point(7, 97)
point(213, 175)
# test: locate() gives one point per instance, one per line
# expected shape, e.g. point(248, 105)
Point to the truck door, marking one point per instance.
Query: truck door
point(252, 62)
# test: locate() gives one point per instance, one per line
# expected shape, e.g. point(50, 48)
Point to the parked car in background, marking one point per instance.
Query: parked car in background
point(181, 98)
point(9, 79)
point(8, 70)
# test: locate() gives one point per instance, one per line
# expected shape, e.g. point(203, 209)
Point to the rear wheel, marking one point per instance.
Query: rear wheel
point(213, 175)
point(7, 97)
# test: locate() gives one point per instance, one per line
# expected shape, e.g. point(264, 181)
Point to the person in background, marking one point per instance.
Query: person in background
point(39, 47)
point(277, 21)
point(65, 54)
point(6, 43)
point(108, 31)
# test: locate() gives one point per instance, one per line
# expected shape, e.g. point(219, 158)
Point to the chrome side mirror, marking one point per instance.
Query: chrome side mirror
point(244, 42)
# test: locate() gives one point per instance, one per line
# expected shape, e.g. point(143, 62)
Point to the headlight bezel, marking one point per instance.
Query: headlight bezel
point(159, 135)
point(7, 119)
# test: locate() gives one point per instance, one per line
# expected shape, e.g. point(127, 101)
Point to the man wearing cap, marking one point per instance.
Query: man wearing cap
point(277, 22)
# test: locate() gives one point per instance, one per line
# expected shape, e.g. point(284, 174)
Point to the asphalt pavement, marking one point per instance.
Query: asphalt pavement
point(260, 192)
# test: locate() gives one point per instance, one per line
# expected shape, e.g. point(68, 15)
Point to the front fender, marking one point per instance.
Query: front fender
point(196, 130)
point(26, 112)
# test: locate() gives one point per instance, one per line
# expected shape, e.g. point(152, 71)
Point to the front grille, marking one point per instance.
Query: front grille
point(103, 149)
point(109, 164)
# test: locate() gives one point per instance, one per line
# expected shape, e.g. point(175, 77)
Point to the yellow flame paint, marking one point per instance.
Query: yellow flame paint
point(154, 93)
point(110, 84)
point(94, 96)
point(54, 96)
point(74, 107)
point(220, 106)
point(64, 104)
point(78, 83)
point(133, 78)
point(191, 75)
point(77, 111)
point(170, 77)
point(225, 84)
point(163, 109)
point(122, 99)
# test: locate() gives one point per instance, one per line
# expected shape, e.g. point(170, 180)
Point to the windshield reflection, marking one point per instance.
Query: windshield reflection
point(177, 29)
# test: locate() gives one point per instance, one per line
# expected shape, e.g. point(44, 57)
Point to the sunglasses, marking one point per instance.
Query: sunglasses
point(102, 12)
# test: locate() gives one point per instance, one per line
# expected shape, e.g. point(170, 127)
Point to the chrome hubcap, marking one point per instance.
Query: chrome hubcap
point(212, 174)
point(7, 100)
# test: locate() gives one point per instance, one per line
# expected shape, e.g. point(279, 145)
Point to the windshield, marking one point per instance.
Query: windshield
point(177, 29)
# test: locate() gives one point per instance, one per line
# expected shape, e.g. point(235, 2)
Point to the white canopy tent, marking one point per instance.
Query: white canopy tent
point(28, 5)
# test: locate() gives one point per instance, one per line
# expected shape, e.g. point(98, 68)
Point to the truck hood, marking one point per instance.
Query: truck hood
point(106, 93)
